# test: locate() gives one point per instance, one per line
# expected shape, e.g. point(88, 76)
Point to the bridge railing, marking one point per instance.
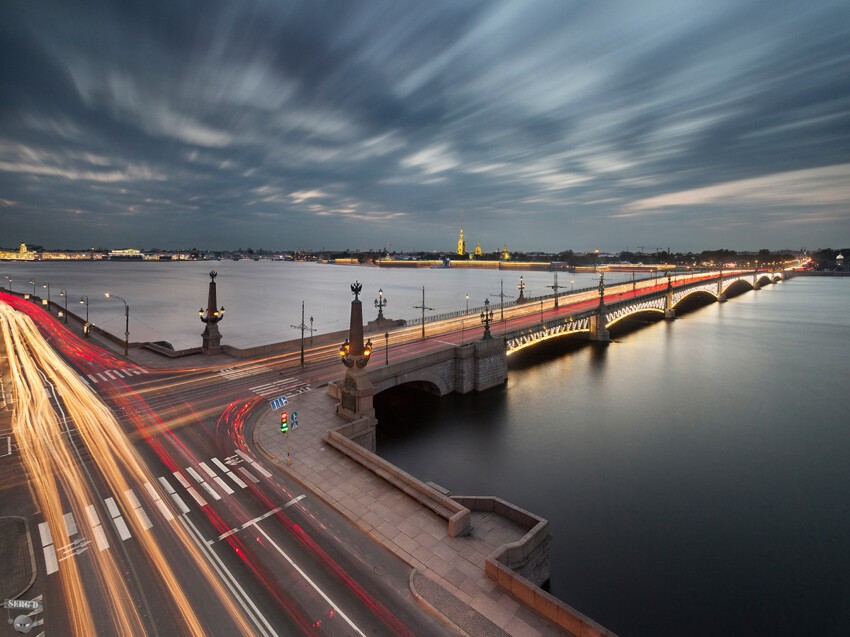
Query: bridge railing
point(474, 311)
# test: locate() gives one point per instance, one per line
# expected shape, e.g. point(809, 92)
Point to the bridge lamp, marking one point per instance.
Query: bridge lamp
point(367, 348)
point(344, 349)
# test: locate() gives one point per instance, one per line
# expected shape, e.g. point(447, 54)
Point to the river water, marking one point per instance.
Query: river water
point(695, 473)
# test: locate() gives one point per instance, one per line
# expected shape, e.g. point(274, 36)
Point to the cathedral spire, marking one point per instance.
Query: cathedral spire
point(461, 242)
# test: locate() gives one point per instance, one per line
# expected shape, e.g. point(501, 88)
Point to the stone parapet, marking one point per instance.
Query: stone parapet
point(458, 516)
point(521, 567)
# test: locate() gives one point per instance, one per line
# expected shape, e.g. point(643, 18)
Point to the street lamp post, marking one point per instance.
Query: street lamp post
point(386, 348)
point(486, 318)
point(572, 281)
point(467, 304)
point(64, 293)
point(126, 320)
point(47, 285)
point(303, 328)
point(9, 279)
point(33, 290)
point(84, 300)
point(380, 303)
point(423, 307)
point(541, 311)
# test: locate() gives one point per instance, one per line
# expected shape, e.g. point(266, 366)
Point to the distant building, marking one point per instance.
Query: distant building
point(461, 242)
point(506, 256)
point(129, 254)
point(478, 251)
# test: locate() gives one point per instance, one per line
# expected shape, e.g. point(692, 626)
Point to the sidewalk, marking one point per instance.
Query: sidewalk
point(448, 571)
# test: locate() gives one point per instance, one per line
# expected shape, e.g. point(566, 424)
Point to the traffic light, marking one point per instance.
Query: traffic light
point(284, 422)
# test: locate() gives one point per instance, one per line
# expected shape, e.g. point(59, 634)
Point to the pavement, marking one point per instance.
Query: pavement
point(448, 573)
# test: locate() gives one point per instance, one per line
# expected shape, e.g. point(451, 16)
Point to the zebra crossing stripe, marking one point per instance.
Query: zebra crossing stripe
point(51, 564)
point(250, 461)
point(200, 481)
point(92, 378)
point(221, 483)
point(239, 482)
point(97, 529)
point(248, 474)
point(118, 520)
point(111, 377)
point(144, 520)
point(102, 377)
point(158, 502)
point(177, 499)
point(70, 525)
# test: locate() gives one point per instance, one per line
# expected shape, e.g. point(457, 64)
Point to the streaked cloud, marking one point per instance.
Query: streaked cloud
point(339, 124)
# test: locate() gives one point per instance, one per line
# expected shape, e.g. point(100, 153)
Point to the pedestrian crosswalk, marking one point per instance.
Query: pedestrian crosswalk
point(113, 374)
point(215, 478)
point(288, 386)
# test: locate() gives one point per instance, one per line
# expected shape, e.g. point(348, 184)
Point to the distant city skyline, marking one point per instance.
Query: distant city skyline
point(549, 126)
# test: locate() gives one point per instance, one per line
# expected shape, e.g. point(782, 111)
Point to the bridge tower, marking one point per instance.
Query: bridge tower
point(598, 333)
point(669, 312)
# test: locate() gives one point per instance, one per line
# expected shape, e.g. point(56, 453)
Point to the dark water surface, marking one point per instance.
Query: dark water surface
point(696, 474)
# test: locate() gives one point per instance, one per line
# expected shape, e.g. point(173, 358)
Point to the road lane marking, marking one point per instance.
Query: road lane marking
point(239, 482)
point(206, 468)
point(102, 377)
point(336, 608)
point(111, 377)
point(294, 500)
point(259, 518)
point(191, 471)
point(230, 581)
point(166, 485)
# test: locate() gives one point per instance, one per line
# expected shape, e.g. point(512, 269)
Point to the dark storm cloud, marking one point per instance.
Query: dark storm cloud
point(553, 125)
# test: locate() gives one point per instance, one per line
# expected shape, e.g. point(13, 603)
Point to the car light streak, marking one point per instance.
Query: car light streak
point(47, 458)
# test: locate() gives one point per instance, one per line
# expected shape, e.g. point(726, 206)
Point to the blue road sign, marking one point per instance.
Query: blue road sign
point(278, 403)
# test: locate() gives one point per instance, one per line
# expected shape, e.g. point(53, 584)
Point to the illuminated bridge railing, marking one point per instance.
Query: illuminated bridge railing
point(655, 301)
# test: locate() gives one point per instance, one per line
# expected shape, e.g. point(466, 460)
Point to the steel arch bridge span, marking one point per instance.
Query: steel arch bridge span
point(663, 302)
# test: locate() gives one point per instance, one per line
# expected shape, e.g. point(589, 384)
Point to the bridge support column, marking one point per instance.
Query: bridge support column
point(598, 333)
point(669, 312)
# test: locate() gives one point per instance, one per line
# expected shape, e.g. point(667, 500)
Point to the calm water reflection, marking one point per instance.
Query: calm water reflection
point(695, 473)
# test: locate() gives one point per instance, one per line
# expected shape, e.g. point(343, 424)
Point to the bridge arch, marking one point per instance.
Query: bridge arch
point(424, 380)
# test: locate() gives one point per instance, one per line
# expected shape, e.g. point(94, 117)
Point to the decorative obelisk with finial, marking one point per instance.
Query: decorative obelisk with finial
point(211, 335)
point(356, 390)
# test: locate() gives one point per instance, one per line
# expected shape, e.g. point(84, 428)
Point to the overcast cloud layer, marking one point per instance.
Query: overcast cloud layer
point(552, 125)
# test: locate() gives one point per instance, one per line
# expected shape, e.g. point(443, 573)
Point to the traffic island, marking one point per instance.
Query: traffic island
point(16, 556)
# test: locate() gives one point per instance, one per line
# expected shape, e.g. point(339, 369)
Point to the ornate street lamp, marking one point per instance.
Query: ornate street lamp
point(486, 318)
point(126, 321)
point(380, 303)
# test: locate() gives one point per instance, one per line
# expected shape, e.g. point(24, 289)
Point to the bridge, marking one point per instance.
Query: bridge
point(460, 359)
point(594, 323)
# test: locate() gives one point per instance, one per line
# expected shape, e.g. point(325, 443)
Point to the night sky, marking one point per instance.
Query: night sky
point(550, 125)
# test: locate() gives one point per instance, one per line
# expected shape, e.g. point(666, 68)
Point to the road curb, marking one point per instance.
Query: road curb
point(32, 566)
